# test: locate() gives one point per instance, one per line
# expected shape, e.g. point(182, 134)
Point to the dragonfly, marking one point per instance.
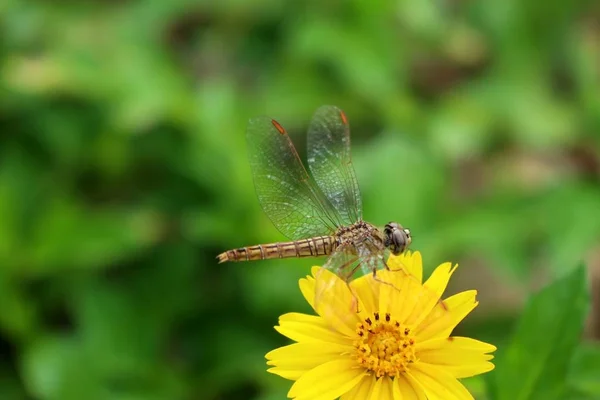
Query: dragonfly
point(320, 212)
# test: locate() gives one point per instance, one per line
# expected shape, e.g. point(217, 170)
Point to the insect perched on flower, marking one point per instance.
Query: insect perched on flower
point(397, 346)
point(321, 213)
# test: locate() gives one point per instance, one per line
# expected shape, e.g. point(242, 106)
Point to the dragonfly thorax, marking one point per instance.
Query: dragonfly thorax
point(359, 232)
point(396, 238)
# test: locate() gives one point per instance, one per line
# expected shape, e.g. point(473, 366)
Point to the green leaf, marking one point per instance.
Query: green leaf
point(584, 372)
point(535, 364)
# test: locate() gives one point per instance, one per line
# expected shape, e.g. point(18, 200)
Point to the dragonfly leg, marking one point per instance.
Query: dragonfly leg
point(376, 278)
point(355, 304)
point(347, 278)
point(385, 264)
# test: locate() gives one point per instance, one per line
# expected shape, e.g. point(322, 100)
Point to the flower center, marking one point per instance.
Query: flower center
point(384, 346)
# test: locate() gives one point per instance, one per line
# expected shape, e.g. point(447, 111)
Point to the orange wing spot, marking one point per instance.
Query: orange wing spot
point(344, 119)
point(278, 126)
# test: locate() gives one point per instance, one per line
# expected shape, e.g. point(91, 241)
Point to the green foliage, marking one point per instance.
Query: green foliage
point(123, 173)
point(535, 363)
point(584, 370)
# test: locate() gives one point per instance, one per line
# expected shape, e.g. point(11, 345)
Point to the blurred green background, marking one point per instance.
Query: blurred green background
point(123, 172)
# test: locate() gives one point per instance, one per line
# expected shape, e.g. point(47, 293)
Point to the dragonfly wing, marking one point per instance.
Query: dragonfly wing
point(330, 162)
point(343, 262)
point(295, 205)
point(347, 262)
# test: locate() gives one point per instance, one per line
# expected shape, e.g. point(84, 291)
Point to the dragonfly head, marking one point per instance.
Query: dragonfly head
point(396, 238)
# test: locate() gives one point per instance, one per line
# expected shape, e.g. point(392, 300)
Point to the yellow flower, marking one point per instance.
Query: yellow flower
point(383, 337)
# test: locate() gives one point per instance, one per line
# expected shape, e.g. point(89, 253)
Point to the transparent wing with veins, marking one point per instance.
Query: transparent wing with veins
point(287, 194)
point(330, 162)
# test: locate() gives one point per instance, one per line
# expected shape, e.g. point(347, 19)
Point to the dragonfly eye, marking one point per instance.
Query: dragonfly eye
point(397, 239)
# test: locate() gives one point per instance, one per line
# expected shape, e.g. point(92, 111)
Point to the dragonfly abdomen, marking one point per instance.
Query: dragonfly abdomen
point(311, 247)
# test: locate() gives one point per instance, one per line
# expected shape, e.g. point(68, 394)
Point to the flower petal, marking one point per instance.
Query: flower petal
point(415, 267)
point(367, 289)
point(305, 356)
point(443, 358)
point(404, 389)
point(439, 384)
point(411, 262)
point(438, 281)
point(314, 269)
point(307, 287)
point(335, 303)
point(399, 293)
point(386, 389)
point(327, 381)
point(446, 315)
point(362, 390)
point(455, 343)
point(461, 357)
point(432, 292)
point(292, 375)
point(375, 390)
point(468, 370)
point(308, 328)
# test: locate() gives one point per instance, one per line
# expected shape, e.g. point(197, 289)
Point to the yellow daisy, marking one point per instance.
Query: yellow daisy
point(384, 337)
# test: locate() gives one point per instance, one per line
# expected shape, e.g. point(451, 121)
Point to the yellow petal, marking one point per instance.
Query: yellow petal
point(404, 389)
point(432, 292)
point(375, 390)
point(467, 370)
point(454, 351)
point(361, 391)
point(383, 389)
point(461, 357)
point(438, 281)
point(367, 289)
point(324, 281)
point(297, 365)
point(459, 299)
point(446, 315)
point(456, 343)
point(300, 317)
point(416, 266)
point(308, 328)
point(314, 269)
point(395, 295)
point(327, 381)
point(399, 294)
point(411, 262)
point(292, 375)
point(307, 287)
point(439, 384)
point(443, 358)
point(335, 303)
point(306, 356)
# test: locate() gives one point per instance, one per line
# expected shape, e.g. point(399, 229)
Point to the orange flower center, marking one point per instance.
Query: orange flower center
point(384, 346)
